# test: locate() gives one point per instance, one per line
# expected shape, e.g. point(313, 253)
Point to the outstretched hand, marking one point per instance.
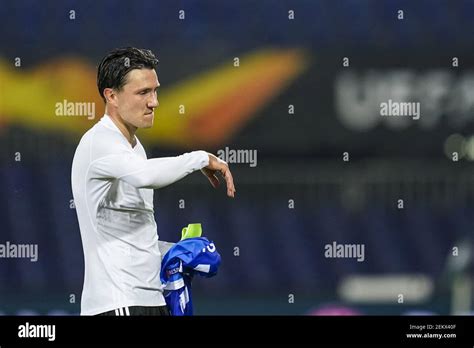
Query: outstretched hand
point(216, 165)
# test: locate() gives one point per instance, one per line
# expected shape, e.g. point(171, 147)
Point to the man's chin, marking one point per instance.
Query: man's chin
point(148, 121)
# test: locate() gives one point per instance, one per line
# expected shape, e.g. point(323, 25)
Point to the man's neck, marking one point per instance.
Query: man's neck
point(127, 130)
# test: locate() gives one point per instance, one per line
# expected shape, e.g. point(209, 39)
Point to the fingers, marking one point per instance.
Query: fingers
point(229, 182)
point(218, 165)
point(214, 180)
point(211, 176)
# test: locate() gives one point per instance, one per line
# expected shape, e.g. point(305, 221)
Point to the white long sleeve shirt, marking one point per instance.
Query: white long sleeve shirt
point(112, 185)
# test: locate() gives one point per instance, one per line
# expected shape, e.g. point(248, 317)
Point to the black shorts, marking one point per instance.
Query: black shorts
point(137, 311)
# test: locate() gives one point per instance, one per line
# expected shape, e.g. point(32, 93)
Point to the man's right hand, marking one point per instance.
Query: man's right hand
point(216, 165)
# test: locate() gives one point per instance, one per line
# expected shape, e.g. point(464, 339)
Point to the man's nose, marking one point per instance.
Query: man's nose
point(153, 103)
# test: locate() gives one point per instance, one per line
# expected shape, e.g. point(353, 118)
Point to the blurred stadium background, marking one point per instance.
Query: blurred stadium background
point(289, 97)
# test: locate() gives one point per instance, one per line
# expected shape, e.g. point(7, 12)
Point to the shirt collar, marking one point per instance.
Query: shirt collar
point(106, 121)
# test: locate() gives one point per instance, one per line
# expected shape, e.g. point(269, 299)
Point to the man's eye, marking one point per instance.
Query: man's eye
point(143, 92)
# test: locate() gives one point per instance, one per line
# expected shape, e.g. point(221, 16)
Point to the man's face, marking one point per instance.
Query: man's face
point(138, 98)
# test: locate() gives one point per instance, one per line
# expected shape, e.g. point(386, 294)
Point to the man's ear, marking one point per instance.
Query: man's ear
point(110, 96)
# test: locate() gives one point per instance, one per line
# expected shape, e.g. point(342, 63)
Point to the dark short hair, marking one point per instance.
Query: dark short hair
point(115, 66)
